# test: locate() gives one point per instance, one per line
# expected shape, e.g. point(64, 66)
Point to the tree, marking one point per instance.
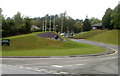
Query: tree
point(94, 20)
point(106, 20)
point(70, 24)
point(27, 24)
point(8, 27)
point(86, 25)
point(116, 17)
point(18, 21)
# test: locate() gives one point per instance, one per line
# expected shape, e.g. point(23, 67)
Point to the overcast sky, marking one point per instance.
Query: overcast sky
point(75, 8)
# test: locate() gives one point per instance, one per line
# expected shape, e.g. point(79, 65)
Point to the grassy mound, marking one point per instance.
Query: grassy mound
point(110, 37)
point(33, 45)
point(88, 34)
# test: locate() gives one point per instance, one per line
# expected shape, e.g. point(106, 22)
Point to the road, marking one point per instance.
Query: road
point(104, 64)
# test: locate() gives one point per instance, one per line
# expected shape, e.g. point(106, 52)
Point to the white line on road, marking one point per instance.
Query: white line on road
point(57, 66)
point(60, 66)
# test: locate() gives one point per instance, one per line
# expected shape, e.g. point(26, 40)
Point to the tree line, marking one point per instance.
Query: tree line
point(19, 24)
point(15, 25)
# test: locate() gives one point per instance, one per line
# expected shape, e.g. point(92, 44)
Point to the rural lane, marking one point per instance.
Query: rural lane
point(104, 64)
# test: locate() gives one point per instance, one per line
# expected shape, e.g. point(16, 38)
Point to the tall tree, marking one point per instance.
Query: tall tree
point(8, 27)
point(27, 24)
point(86, 25)
point(106, 20)
point(18, 20)
point(116, 17)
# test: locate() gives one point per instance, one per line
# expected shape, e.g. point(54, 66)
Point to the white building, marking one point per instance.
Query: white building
point(34, 27)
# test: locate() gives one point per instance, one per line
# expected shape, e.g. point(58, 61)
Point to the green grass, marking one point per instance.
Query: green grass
point(88, 34)
point(105, 36)
point(32, 45)
point(110, 37)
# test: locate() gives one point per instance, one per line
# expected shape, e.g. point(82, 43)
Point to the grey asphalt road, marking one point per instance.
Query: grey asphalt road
point(105, 64)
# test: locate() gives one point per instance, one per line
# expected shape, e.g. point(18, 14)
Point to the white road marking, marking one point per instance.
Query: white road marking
point(114, 52)
point(59, 66)
point(79, 64)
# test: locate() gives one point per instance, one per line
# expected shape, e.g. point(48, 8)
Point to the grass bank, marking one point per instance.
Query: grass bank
point(88, 34)
point(105, 36)
point(32, 45)
point(109, 37)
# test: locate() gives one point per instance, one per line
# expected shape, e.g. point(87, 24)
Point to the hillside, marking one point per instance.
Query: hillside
point(88, 34)
point(110, 37)
point(34, 45)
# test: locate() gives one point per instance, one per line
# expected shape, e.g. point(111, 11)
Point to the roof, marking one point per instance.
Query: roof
point(34, 27)
point(98, 24)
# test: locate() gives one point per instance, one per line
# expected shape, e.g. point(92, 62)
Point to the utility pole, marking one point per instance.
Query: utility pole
point(45, 24)
point(50, 24)
point(62, 23)
point(54, 24)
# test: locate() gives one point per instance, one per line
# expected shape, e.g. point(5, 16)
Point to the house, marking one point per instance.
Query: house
point(97, 26)
point(34, 28)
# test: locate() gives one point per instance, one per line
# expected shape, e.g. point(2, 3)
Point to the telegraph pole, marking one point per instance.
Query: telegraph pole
point(62, 23)
point(50, 24)
point(45, 24)
point(54, 24)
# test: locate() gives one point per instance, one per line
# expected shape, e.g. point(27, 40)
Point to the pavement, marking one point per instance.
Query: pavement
point(99, 64)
